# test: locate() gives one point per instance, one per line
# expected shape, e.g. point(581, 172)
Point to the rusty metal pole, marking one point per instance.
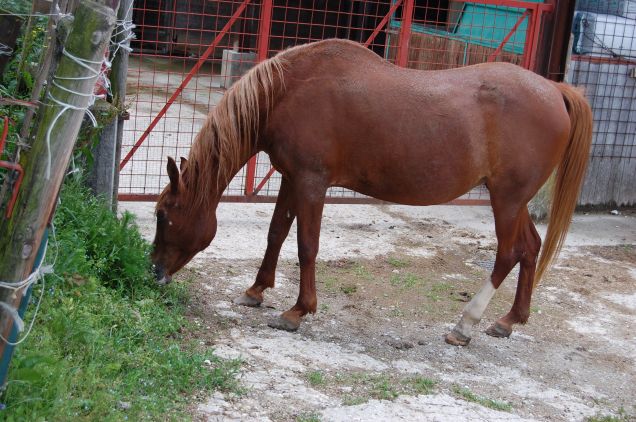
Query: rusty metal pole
point(262, 51)
point(118, 81)
point(405, 33)
point(558, 50)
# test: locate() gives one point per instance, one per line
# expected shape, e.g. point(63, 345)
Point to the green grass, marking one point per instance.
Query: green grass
point(348, 289)
point(406, 280)
point(396, 313)
point(621, 416)
point(468, 395)
point(397, 263)
point(316, 378)
point(438, 291)
point(383, 389)
point(331, 284)
point(420, 385)
point(606, 418)
point(366, 386)
point(361, 271)
point(308, 417)
point(105, 333)
point(354, 400)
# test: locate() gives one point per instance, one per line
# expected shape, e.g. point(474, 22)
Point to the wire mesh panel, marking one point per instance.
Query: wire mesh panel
point(604, 63)
point(172, 39)
point(187, 53)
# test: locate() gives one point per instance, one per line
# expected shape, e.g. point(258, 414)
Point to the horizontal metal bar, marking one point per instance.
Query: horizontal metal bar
point(510, 3)
point(609, 60)
point(124, 197)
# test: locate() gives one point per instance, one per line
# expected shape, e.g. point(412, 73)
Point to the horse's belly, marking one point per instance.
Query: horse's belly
point(413, 188)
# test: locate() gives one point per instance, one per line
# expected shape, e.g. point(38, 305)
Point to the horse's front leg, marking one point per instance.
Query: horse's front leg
point(282, 220)
point(309, 205)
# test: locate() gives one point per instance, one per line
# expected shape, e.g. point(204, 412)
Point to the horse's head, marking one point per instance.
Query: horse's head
point(183, 228)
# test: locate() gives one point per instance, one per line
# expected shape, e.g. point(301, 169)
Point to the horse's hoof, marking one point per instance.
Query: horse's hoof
point(499, 330)
point(456, 338)
point(246, 300)
point(282, 323)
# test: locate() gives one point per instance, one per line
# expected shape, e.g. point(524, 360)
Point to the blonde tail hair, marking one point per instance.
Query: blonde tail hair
point(569, 176)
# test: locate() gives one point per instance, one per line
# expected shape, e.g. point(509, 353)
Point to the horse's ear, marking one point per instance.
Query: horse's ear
point(182, 164)
point(173, 174)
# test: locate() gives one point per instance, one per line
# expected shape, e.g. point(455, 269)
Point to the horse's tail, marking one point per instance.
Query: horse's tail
point(569, 176)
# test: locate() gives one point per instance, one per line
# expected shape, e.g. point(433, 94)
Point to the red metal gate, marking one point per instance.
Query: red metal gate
point(188, 52)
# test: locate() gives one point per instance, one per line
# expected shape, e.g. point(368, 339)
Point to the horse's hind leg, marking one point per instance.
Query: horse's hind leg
point(507, 226)
point(529, 242)
point(282, 220)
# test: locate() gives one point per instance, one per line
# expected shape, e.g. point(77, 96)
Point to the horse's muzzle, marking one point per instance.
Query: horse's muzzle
point(161, 276)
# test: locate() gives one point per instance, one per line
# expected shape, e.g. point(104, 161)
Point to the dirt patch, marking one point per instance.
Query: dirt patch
point(381, 321)
point(374, 351)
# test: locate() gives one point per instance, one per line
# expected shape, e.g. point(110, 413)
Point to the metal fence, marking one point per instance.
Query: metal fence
point(604, 63)
point(187, 53)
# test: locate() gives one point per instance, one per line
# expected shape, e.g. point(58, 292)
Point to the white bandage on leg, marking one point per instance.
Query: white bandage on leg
point(475, 309)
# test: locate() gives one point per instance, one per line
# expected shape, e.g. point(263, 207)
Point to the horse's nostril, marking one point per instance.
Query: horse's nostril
point(159, 271)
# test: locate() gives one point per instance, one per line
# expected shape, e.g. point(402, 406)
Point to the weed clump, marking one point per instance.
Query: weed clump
point(108, 344)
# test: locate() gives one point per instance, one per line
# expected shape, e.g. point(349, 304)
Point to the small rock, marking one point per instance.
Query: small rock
point(124, 405)
point(464, 297)
point(207, 362)
point(421, 342)
point(400, 345)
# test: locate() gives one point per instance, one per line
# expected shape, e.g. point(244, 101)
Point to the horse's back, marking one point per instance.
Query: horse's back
point(352, 73)
point(388, 132)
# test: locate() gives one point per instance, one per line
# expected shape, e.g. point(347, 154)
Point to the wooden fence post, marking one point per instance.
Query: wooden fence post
point(45, 164)
point(118, 80)
point(101, 176)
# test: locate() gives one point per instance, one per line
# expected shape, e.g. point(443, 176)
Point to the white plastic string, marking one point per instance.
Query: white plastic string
point(5, 50)
point(95, 73)
point(123, 44)
point(123, 26)
point(37, 275)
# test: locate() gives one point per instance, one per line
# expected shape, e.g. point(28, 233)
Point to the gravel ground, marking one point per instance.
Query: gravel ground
point(392, 280)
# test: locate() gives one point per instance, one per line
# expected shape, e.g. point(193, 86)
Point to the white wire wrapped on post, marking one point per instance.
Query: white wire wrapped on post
point(123, 27)
point(5, 50)
point(86, 64)
point(31, 280)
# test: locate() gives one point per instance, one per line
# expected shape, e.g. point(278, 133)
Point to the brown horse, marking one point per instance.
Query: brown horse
point(333, 113)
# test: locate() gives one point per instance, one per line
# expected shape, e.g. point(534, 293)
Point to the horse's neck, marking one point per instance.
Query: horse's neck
point(219, 184)
point(239, 119)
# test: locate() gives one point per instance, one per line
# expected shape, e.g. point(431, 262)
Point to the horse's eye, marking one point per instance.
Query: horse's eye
point(161, 216)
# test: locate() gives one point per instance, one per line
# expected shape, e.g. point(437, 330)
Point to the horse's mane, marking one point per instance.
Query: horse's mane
point(230, 131)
